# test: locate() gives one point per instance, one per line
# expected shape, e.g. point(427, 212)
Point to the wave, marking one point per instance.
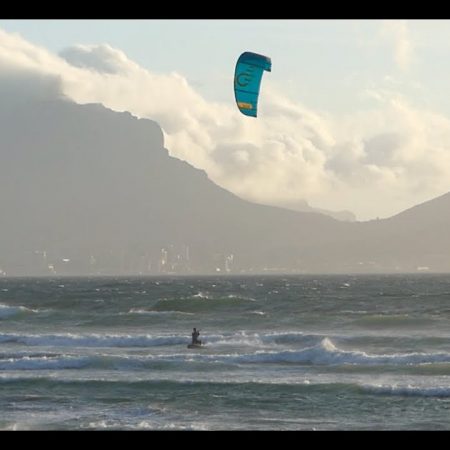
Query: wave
point(92, 340)
point(258, 313)
point(391, 320)
point(326, 353)
point(201, 295)
point(202, 301)
point(67, 361)
point(214, 385)
point(45, 362)
point(315, 348)
point(300, 338)
point(408, 390)
point(269, 339)
point(143, 425)
point(115, 362)
point(7, 311)
point(238, 338)
point(156, 313)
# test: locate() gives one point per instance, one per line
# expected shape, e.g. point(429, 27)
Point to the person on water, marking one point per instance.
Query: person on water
point(195, 335)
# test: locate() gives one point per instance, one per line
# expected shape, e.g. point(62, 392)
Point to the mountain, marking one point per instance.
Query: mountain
point(415, 239)
point(302, 205)
point(85, 190)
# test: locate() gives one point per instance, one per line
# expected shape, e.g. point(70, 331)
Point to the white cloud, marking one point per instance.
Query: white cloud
point(375, 162)
point(21, 69)
point(397, 33)
point(101, 58)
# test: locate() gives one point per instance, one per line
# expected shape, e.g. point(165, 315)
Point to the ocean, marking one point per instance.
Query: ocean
point(300, 352)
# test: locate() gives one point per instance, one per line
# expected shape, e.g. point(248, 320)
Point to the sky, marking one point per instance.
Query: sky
point(355, 114)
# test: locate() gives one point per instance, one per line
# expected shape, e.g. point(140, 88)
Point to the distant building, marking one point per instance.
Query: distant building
point(229, 263)
point(163, 261)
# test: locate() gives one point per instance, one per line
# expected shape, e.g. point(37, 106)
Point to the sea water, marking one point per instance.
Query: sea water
point(307, 352)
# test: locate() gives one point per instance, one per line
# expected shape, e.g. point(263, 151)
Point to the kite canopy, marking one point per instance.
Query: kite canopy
point(247, 80)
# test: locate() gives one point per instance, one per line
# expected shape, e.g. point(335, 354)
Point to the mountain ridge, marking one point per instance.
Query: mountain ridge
point(86, 190)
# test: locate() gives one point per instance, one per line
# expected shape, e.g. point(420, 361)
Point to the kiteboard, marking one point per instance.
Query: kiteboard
point(196, 346)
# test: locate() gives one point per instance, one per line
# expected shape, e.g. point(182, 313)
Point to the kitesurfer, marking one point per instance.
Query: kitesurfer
point(195, 335)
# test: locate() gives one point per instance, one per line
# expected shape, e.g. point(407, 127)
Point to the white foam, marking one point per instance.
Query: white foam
point(173, 426)
point(409, 390)
point(102, 424)
point(157, 313)
point(93, 340)
point(9, 311)
point(201, 295)
point(29, 363)
point(271, 340)
point(145, 425)
point(327, 353)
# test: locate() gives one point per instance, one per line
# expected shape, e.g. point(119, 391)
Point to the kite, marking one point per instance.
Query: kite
point(247, 81)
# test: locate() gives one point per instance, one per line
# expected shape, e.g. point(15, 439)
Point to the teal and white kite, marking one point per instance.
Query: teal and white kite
point(247, 81)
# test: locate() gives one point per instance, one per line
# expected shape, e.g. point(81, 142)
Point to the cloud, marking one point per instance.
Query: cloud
point(396, 32)
point(100, 58)
point(21, 70)
point(374, 162)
